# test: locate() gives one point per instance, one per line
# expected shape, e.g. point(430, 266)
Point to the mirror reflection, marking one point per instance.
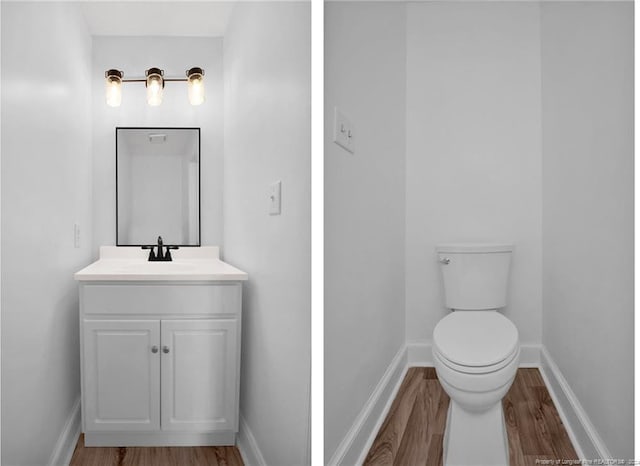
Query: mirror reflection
point(158, 186)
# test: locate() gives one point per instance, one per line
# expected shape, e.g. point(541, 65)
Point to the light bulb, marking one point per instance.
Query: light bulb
point(114, 93)
point(155, 83)
point(113, 88)
point(154, 91)
point(195, 85)
point(196, 91)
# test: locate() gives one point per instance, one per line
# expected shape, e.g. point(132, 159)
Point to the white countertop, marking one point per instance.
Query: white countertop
point(189, 263)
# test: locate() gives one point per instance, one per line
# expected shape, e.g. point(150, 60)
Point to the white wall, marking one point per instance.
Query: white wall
point(267, 138)
point(473, 149)
point(46, 187)
point(587, 95)
point(174, 55)
point(364, 206)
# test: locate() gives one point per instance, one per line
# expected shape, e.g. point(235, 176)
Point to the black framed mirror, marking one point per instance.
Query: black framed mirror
point(157, 186)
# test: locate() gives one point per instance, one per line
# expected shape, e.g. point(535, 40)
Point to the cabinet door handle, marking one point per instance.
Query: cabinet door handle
point(165, 349)
point(154, 349)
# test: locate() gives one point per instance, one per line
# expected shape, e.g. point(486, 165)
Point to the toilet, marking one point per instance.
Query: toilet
point(475, 352)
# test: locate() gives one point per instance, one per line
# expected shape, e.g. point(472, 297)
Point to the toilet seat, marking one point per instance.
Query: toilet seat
point(476, 369)
point(475, 342)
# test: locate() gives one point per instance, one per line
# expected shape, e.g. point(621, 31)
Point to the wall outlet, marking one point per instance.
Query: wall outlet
point(275, 191)
point(76, 235)
point(343, 131)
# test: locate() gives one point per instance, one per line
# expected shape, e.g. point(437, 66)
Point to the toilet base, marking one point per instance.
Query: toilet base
point(475, 438)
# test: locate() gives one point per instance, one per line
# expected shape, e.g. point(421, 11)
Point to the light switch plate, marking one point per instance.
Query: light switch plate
point(343, 131)
point(275, 191)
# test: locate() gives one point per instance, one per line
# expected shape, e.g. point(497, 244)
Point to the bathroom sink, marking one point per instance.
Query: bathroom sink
point(128, 264)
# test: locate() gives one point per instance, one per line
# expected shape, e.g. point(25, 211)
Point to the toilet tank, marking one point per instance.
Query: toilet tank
point(475, 275)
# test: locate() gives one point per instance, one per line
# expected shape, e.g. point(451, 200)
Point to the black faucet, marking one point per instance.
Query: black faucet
point(161, 256)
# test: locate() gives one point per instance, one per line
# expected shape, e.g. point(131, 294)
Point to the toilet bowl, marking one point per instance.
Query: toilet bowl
point(476, 353)
point(476, 357)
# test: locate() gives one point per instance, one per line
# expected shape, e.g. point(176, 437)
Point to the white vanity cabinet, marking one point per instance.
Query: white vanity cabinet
point(121, 375)
point(198, 375)
point(160, 360)
point(173, 375)
point(160, 348)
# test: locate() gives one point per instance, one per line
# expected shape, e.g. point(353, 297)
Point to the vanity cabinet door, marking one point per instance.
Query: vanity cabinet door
point(199, 375)
point(121, 365)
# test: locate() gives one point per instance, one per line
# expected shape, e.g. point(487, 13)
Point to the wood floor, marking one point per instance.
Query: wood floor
point(154, 456)
point(412, 432)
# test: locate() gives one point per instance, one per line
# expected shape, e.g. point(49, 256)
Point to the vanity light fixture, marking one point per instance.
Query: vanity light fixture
point(154, 82)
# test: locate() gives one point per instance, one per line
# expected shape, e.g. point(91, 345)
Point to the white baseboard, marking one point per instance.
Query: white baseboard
point(582, 433)
point(66, 444)
point(529, 355)
point(419, 353)
point(354, 447)
point(249, 450)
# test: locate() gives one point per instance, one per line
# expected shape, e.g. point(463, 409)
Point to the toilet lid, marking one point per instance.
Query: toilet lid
point(475, 338)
